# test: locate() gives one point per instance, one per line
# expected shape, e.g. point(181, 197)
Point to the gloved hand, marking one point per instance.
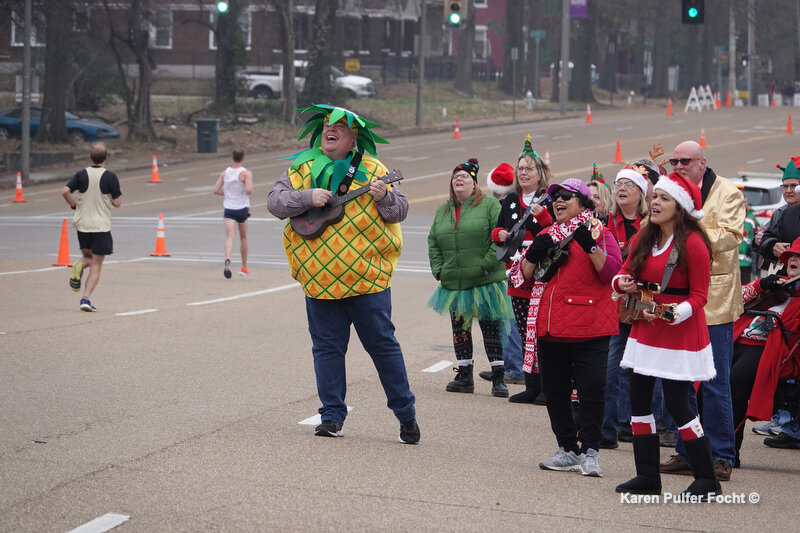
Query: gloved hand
point(769, 283)
point(538, 248)
point(583, 237)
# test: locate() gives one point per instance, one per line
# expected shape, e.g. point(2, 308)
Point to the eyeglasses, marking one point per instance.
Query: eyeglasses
point(788, 187)
point(684, 161)
point(526, 169)
point(563, 195)
point(627, 184)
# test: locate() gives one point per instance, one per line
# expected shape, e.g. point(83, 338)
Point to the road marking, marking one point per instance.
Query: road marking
point(317, 418)
point(559, 137)
point(441, 365)
point(103, 523)
point(142, 312)
point(754, 161)
point(246, 295)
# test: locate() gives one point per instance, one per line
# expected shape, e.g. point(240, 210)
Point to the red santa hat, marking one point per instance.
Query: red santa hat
point(635, 176)
point(500, 180)
point(684, 192)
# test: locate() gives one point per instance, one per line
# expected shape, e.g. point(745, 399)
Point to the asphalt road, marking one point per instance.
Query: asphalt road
point(187, 402)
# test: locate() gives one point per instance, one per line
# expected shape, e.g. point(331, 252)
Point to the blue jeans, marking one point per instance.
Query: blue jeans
point(329, 325)
point(716, 413)
point(512, 354)
point(617, 404)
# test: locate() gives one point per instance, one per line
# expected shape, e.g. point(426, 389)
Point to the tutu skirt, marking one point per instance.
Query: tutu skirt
point(484, 302)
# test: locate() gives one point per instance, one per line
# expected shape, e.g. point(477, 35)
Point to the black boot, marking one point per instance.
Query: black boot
point(705, 479)
point(499, 387)
point(463, 381)
point(647, 456)
point(533, 388)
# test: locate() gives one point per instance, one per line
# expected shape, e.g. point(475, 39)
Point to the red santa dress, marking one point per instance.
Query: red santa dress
point(680, 350)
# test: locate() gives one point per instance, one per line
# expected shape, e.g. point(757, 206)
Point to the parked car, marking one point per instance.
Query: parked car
point(764, 195)
point(269, 83)
point(79, 129)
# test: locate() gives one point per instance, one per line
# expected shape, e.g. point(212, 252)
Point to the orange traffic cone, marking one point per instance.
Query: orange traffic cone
point(63, 247)
point(161, 242)
point(702, 137)
point(618, 156)
point(547, 157)
point(19, 197)
point(774, 103)
point(456, 131)
point(789, 125)
point(728, 100)
point(155, 178)
point(669, 106)
point(588, 113)
point(718, 101)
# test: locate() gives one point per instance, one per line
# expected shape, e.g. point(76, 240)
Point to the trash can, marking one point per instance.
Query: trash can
point(207, 134)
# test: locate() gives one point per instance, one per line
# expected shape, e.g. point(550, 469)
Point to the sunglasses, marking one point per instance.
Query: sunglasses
point(563, 195)
point(685, 161)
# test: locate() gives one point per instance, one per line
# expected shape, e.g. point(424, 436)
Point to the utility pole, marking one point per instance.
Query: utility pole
point(421, 62)
point(751, 48)
point(563, 75)
point(732, 53)
point(25, 161)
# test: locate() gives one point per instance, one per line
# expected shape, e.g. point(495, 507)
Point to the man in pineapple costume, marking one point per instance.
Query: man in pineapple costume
point(346, 271)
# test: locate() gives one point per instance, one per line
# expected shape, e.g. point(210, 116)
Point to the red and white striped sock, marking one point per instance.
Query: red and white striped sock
point(692, 430)
point(643, 425)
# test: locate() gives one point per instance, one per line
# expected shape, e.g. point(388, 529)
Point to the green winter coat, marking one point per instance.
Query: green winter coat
point(463, 256)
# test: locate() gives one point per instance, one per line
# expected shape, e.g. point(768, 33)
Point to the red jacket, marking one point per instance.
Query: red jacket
point(576, 303)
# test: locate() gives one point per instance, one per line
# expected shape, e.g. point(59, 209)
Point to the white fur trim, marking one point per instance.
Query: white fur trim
point(684, 312)
point(494, 187)
point(680, 365)
point(680, 195)
point(635, 177)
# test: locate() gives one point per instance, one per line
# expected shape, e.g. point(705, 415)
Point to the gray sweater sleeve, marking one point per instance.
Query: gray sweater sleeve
point(284, 202)
point(393, 208)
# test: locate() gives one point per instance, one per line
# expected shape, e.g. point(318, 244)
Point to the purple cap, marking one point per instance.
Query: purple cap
point(572, 185)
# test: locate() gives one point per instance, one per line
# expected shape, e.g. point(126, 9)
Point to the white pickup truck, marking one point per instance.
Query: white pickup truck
point(268, 84)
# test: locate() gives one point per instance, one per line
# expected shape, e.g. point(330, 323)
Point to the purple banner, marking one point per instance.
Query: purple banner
point(577, 9)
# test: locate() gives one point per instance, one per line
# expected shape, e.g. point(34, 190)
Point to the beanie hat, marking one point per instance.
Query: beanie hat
point(500, 179)
point(470, 167)
point(633, 175)
point(573, 185)
point(792, 168)
point(684, 192)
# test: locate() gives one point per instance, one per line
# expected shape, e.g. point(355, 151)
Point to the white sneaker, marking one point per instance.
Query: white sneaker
point(563, 461)
point(590, 465)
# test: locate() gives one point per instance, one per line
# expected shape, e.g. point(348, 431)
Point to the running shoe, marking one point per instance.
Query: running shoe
point(244, 271)
point(77, 274)
point(563, 461)
point(227, 271)
point(87, 306)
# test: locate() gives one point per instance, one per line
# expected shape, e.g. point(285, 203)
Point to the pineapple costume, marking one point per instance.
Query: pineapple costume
point(357, 255)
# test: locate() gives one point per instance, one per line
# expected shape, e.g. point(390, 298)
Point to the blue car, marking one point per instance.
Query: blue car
point(79, 129)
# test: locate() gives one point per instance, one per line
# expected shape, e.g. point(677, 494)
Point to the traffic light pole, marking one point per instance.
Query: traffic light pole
point(421, 63)
point(563, 73)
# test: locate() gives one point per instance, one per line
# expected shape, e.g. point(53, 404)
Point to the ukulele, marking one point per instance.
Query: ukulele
point(508, 248)
point(555, 257)
point(634, 304)
point(313, 222)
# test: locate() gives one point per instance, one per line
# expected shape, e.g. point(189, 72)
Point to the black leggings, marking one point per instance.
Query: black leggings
point(676, 397)
point(746, 358)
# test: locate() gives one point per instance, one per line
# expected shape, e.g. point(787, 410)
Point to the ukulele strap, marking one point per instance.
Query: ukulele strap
point(344, 186)
point(672, 260)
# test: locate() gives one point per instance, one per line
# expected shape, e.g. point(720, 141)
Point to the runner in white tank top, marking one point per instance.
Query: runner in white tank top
point(235, 184)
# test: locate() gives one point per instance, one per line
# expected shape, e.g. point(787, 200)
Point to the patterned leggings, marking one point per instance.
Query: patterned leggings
point(462, 341)
point(520, 306)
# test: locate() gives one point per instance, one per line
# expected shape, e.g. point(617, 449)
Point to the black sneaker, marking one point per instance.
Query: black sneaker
point(328, 428)
point(409, 432)
point(625, 434)
point(608, 444)
point(227, 271)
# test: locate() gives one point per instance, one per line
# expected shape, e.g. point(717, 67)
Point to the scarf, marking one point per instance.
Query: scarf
point(558, 232)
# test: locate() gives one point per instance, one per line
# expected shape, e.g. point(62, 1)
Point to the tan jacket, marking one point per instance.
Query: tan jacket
point(723, 222)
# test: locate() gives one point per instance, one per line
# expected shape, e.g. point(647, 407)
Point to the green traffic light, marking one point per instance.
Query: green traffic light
point(455, 18)
point(692, 12)
point(222, 7)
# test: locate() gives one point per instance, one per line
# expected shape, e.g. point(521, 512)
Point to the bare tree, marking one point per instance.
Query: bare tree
point(580, 87)
point(52, 127)
point(466, 47)
point(230, 54)
point(285, 11)
point(137, 39)
point(662, 43)
point(318, 88)
point(513, 40)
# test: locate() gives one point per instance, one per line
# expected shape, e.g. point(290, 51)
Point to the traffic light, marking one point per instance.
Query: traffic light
point(693, 11)
point(455, 13)
point(222, 7)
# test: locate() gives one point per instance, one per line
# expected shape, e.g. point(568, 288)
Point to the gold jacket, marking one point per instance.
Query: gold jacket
point(724, 222)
